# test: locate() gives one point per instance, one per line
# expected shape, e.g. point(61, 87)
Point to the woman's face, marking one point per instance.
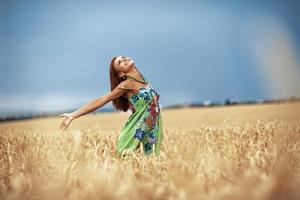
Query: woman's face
point(123, 64)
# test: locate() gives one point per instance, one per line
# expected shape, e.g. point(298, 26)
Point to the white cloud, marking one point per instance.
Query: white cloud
point(272, 46)
point(47, 102)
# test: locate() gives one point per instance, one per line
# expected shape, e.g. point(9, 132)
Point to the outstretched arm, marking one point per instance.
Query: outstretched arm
point(90, 106)
point(93, 105)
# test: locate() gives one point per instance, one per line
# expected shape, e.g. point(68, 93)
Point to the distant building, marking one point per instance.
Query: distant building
point(207, 103)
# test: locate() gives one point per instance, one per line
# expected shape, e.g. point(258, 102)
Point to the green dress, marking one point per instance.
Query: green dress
point(143, 130)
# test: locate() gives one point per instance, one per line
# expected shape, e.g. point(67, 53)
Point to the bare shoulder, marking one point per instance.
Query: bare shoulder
point(119, 90)
point(126, 84)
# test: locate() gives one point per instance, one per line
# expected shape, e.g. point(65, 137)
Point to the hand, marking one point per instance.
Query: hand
point(68, 118)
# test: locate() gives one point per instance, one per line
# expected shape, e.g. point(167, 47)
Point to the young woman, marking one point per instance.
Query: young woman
point(129, 90)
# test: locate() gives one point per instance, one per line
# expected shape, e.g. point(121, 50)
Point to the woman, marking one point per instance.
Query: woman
point(129, 89)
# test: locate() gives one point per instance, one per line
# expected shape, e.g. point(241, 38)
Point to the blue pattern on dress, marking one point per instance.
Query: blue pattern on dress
point(146, 133)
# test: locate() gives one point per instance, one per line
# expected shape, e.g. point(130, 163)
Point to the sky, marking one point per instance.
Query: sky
point(55, 55)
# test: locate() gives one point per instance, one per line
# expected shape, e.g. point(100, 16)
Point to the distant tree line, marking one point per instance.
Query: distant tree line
point(227, 102)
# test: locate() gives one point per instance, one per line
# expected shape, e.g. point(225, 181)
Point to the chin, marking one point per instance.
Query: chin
point(131, 63)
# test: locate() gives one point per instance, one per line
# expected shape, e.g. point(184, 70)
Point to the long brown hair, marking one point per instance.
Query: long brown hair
point(122, 102)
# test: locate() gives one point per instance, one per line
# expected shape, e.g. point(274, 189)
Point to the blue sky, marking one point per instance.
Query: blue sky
point(56, 54)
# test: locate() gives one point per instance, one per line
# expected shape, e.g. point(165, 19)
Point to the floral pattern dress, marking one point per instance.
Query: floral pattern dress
point(144, 126)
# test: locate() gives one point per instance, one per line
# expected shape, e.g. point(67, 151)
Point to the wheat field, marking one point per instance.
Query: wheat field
point(235, 152)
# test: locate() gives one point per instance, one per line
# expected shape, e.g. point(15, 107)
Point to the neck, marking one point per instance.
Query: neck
point(133, 72)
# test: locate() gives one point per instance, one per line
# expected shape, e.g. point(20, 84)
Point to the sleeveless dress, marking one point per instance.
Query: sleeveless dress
point(143, 129)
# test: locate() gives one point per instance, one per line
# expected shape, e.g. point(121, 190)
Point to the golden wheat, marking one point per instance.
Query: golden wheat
point(259, 160)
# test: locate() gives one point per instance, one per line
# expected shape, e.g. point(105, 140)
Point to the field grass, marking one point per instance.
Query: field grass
point(235, 152)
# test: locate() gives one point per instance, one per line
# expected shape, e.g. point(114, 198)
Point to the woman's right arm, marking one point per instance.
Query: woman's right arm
point(94, 104)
